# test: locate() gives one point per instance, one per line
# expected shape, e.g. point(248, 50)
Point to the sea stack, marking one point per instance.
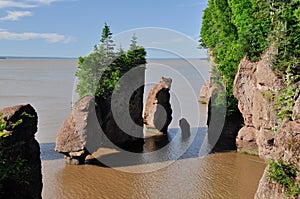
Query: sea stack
point(158, 111)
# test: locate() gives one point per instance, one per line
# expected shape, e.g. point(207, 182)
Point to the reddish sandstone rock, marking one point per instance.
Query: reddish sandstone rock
point(205, 93)
point(246, 140)
point(158, 112)
point(256, 86)
point(79, 133)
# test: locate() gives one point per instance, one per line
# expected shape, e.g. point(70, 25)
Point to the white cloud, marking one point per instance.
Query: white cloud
point(26, 3)
point(15, 4)
point(49, 37)
point(15, 15)
point(45, 1)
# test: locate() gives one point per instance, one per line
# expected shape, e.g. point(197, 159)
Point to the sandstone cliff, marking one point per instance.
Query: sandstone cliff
point(256, 88)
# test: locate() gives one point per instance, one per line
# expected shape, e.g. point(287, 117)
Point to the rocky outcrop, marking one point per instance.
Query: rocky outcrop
point(230, 125)
point(255, 87)
point(185, 128)
point(121, 115)
point(205, 93)
point(113, 120)
point(158, 111)
point(222, 127)
point(246, 140)
point(20, 166)
point(76, 138)
point(285, 145)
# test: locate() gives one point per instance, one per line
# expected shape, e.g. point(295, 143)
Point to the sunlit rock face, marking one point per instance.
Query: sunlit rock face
point(158, 111)
point(256, 86)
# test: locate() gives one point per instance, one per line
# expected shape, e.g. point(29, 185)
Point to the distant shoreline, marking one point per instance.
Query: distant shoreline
point(15, 57)
point(72, 58)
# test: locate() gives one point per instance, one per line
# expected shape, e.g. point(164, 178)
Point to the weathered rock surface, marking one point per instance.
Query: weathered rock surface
point(158, 111)
point(255, 87)
point(285, 145)
point(121, 115)
point(296, 110)
point(25, 179)
point(113, 120)
point(222, 129)
point(205, 93)
point(79, 133)
point(246, 140)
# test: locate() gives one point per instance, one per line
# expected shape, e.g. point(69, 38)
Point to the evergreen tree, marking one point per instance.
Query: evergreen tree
point(105, 33)
point(100, 71)
point(133, 44)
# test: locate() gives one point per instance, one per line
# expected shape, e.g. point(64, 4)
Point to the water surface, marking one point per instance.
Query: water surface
point(182, 173)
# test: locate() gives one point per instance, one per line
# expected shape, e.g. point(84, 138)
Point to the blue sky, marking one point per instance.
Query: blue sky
point(70, 28)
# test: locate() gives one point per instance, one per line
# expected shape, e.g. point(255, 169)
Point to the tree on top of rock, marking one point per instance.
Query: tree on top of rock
point(99, 72)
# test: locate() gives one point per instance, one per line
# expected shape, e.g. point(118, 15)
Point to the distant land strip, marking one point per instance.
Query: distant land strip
point(17, 57)
point(150, 58)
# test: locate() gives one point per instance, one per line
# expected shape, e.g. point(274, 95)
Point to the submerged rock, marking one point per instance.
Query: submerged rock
point(158, 111)
point(20, 154)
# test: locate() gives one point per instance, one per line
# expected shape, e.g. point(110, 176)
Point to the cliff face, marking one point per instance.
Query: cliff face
point(256, 86)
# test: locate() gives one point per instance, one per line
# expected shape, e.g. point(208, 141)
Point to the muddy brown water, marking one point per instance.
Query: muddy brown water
point(170, 167)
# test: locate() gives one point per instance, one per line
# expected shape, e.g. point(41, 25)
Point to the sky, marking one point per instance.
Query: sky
point(70, 28)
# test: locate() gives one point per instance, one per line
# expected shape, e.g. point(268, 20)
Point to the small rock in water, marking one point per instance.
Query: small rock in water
point(185, 128)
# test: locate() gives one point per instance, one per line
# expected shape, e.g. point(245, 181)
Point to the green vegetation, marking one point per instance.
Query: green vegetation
point(13, 170)
point(233, 29)
point(27, 115)
point(284, 174)
point(2, 127)
point(100, 71)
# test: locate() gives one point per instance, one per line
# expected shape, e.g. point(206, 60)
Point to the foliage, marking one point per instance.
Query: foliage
point(27, 115)
point(286, 33)
point(14, 171)
point(233, 29)
point(14, 125)
point(284, 174)
point(284, 103)
point(100, 71)
point(2, 127)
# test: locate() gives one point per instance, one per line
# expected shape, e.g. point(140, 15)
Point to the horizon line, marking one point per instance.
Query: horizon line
point(56, 57)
